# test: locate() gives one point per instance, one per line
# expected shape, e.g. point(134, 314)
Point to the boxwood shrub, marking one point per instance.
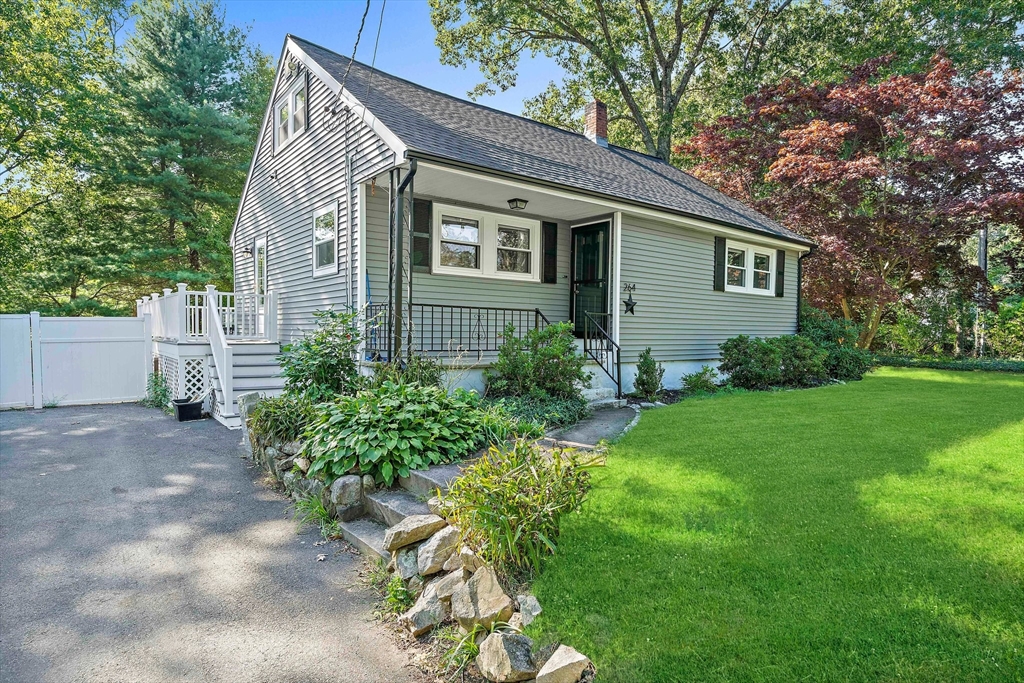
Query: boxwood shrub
point(787, 361)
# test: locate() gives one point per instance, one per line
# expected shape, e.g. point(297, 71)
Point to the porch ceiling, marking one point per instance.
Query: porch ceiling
point(463, 188)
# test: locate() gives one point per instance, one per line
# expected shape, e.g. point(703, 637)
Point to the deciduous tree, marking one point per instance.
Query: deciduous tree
point(889, 176)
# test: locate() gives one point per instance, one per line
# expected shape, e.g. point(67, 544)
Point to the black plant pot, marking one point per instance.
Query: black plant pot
point(186, 410)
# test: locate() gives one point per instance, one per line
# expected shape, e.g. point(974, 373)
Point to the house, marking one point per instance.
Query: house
point(444, 220)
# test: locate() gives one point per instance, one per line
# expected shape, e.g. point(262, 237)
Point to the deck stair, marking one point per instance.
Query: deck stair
point(254, 368)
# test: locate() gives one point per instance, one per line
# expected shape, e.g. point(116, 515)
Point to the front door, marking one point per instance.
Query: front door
point(589, 259)
point(259, 254)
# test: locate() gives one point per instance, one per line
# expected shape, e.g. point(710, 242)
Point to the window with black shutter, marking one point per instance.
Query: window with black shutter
point(780, 272)
point(550, 252)
point(422, 212)
point(719, 284)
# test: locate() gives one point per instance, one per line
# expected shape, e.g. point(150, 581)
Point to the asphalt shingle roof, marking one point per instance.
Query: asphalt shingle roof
point(443, 126)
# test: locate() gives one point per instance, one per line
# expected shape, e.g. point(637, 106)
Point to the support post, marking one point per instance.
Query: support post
point(399, 261)
point(182, 318)
point(147, 339)
point(37, 361)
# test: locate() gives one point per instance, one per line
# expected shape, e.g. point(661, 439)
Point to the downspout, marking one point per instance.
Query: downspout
point(399, 256)
point(800, 284)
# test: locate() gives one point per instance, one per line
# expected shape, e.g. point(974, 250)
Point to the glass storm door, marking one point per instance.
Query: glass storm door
point(589, 274)
point(259, 253)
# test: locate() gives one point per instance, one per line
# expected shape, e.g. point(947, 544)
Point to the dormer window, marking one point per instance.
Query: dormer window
point(290, 114)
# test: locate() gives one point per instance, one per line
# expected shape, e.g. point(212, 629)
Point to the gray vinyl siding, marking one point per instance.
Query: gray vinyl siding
point(428, 288)
point(678, 313)
point(310, 175)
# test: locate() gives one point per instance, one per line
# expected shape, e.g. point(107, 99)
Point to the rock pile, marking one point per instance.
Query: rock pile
point(451, 583)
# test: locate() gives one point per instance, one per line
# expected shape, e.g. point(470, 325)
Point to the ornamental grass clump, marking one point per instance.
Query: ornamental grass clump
point(280, 418)
point(509, 504)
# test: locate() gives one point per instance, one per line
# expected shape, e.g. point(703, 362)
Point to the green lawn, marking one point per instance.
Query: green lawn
point(866, 532)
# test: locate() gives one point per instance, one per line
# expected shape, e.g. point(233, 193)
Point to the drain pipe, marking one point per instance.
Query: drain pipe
point(400, 257)
point(800, 284)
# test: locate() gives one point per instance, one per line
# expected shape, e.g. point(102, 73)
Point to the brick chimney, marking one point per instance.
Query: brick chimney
point(596, 127)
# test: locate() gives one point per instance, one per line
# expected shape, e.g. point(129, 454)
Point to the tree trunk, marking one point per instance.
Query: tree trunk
point(870, 326)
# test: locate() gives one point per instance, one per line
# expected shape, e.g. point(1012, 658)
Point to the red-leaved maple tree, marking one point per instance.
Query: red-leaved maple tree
point(890, 177)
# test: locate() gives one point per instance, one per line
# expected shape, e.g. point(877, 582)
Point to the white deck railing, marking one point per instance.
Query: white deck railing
point(186, 316)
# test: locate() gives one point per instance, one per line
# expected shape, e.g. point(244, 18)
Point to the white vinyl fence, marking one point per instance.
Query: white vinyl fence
point(69, 361)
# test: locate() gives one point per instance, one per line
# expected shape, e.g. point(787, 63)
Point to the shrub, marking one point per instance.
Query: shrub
point(509, 503)
point(396, 428)
point(282, 418)
point(701, 382)
point(990, 364)
point(838, 337)
point(417, 370)
point(551, 412)
point(649, 375)
point(158, 394)
point(544, 362)
point(788, 361)
point(322, 364)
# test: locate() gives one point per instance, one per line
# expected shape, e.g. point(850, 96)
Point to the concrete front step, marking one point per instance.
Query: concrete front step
point(391, 507)
point(608, 403)
point(426, 482)
point(367, 535)
point(598, 394)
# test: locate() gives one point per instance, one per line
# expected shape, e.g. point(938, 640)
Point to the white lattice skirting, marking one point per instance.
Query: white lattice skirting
point(196, 384)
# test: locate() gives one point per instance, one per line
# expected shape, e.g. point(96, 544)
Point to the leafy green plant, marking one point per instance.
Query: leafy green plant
point(461, 648)
point(543, 362)
point(509, 503)
point(550, 412)
point(416, 370)
point(787, 361)
point(280, 418)
point(397, 598)
point(311, 510)
point(704, 381)
point(649, 375)
point(990, 364)
point(838, 338)
point(158, 394)
point(322, 364)
point(396, 428)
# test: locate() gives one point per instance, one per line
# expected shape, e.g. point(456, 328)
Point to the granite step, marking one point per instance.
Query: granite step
point(426, 482)
point(391, 507)
point(367, 535)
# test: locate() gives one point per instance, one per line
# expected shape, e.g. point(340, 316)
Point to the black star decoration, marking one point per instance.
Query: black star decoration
point(630, 304)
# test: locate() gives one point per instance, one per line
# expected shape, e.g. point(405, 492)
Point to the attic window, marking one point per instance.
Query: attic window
point(290, 114)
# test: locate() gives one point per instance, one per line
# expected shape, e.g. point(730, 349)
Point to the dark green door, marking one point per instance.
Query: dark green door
point(589, 274)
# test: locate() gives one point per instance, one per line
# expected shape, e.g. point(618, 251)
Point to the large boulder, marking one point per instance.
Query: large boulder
point(245, 403)
point(412, 529)
point(435, 552)
point(428, 612)
point(446, 586)
point(481, 601)
point(506, 657)
point(347, 497)
point(291, 448)
point(565, 666)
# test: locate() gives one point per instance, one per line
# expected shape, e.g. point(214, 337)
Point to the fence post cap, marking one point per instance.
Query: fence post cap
point(156, 295)
point(211, 288)
point(182, 286)
point(167, 291)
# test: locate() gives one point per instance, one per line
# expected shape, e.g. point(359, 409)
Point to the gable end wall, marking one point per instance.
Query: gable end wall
point(310, 175)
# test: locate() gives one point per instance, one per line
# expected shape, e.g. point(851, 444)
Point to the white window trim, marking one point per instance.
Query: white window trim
point(289, 98)
point(488, 263)
point(331, 269)
point(749, 268)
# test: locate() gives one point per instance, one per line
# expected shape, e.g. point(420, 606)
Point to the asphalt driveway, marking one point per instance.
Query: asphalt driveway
point(136, 548)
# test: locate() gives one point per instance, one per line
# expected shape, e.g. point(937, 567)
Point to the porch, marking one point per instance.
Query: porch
point(454, 257)
point(215, 345)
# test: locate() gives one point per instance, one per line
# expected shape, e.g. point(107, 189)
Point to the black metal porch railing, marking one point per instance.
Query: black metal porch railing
point(448, 329)
point(600, 346)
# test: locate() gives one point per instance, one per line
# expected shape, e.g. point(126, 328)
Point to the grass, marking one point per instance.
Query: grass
point(867, 532)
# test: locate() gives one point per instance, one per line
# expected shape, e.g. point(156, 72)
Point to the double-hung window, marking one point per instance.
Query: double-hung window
point(325, 241)
point(484, 244)
point(749, 269)
point(290, 114)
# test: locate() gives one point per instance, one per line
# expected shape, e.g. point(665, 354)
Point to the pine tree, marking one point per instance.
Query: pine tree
point(188, 83)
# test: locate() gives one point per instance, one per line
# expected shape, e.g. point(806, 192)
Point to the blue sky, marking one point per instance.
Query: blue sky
point(406, 45)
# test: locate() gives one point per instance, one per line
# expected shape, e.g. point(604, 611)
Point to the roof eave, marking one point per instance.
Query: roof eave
point(429, 156)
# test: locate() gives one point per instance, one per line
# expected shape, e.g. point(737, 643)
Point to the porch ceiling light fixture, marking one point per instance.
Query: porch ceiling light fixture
point(517, 204)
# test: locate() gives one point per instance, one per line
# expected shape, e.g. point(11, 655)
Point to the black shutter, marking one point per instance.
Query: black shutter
point(719, 264)
point(422, 214)
point(780, 272)
point(550, 252)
